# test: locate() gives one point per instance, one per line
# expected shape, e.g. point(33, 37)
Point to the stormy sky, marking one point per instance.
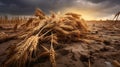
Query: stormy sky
point(89, 9)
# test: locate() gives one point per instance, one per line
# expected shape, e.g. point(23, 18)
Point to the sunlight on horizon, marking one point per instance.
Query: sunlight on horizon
point(88, 14)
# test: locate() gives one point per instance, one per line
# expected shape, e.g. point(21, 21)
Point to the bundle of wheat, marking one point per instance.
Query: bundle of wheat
point(64, 29)
point(22, 52)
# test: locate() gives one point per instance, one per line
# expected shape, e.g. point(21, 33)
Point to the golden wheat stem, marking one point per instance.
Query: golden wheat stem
point(89, 63)
point(52, 53)
point(44, 33)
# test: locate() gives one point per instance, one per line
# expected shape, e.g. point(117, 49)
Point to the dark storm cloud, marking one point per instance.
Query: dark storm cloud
point(110, 1)
point(107, 6)
point(28, 6)
point(100, 8)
